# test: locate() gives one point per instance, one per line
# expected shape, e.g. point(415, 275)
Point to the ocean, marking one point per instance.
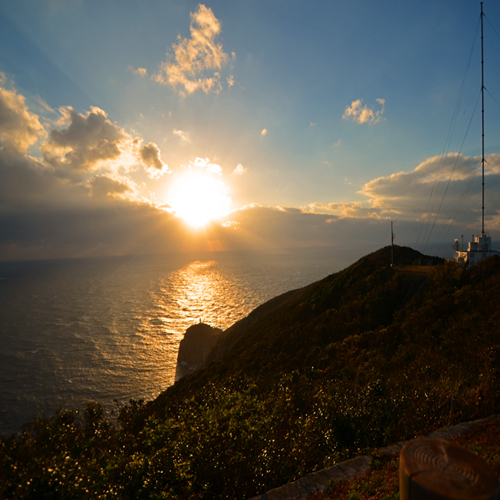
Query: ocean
point(108, 329)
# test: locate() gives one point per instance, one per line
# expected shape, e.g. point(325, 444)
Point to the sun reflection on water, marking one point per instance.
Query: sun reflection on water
point(199, 291)
point(110, 328)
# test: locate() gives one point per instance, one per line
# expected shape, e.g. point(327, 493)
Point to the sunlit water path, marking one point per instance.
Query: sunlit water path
point(102, 329)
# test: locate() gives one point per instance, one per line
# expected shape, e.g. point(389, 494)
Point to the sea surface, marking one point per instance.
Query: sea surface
point(106, 329)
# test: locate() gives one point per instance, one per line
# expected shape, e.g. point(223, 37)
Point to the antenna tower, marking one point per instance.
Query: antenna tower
point(482, 122)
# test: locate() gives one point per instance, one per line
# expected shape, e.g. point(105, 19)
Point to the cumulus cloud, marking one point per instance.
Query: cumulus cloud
point(26, 182)
point(19, 128)
point(48, 215)
point(90, 142)
point(441, 193)
point(452, 168)
point(86, 142)
point(239, 170)
point(44, 216)
point(263, 132)
point(194, 63)
point(442, 189)
point(358, 113)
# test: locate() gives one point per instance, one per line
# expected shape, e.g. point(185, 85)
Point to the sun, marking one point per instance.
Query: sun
point(199, 198)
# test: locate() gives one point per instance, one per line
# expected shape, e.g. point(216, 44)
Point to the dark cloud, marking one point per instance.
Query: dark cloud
point(116, 228)
point(44, 216)
point(103, 185)
point(284, 227)
point(27, 182)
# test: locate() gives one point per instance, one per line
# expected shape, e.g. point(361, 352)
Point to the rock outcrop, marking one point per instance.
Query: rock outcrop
point(194, 348)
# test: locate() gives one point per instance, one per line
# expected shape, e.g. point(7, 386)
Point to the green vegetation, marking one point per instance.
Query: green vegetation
point(364, 358)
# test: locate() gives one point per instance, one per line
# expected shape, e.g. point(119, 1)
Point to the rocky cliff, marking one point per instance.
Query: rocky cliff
point(195, 347)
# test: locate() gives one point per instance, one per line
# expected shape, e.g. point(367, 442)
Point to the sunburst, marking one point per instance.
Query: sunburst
point(199, 198)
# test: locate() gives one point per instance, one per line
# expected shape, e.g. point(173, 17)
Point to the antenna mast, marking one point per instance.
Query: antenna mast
point(482, 123)
point(392, 245)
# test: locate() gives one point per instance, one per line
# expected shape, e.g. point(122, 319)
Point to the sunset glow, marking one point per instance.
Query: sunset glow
point(243, 124)
point(198, 198)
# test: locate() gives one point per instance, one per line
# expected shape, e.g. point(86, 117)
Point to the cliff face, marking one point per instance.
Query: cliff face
point(194, 348)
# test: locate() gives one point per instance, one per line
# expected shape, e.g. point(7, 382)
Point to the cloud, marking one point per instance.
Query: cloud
point(440, 170)
point(19, 128)
point(194, 63)
point(358, 113)
point(105, 185)
point(86, 142)
point(239, 170)
point(436, 196)
point(90, 142)
point(138, 71)
point(102, 210)
point(204, 163)
point(263, 132)
point(43, 105)
point(261, 227)
point(349, 210)
point(45, 216)
point(442, 189)
point(26, 183)
point(183, 136)
point(151, 159)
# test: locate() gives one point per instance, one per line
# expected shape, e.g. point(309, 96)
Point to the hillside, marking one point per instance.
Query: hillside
point(299, 328)
point(363, 358)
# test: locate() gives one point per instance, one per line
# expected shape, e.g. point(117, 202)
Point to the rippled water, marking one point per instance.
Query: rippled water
point(99, 329)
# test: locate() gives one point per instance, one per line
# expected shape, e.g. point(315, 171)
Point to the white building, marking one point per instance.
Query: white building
point(479, 248)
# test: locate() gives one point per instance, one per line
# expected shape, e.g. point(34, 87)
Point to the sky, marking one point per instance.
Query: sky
point(153, 126)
